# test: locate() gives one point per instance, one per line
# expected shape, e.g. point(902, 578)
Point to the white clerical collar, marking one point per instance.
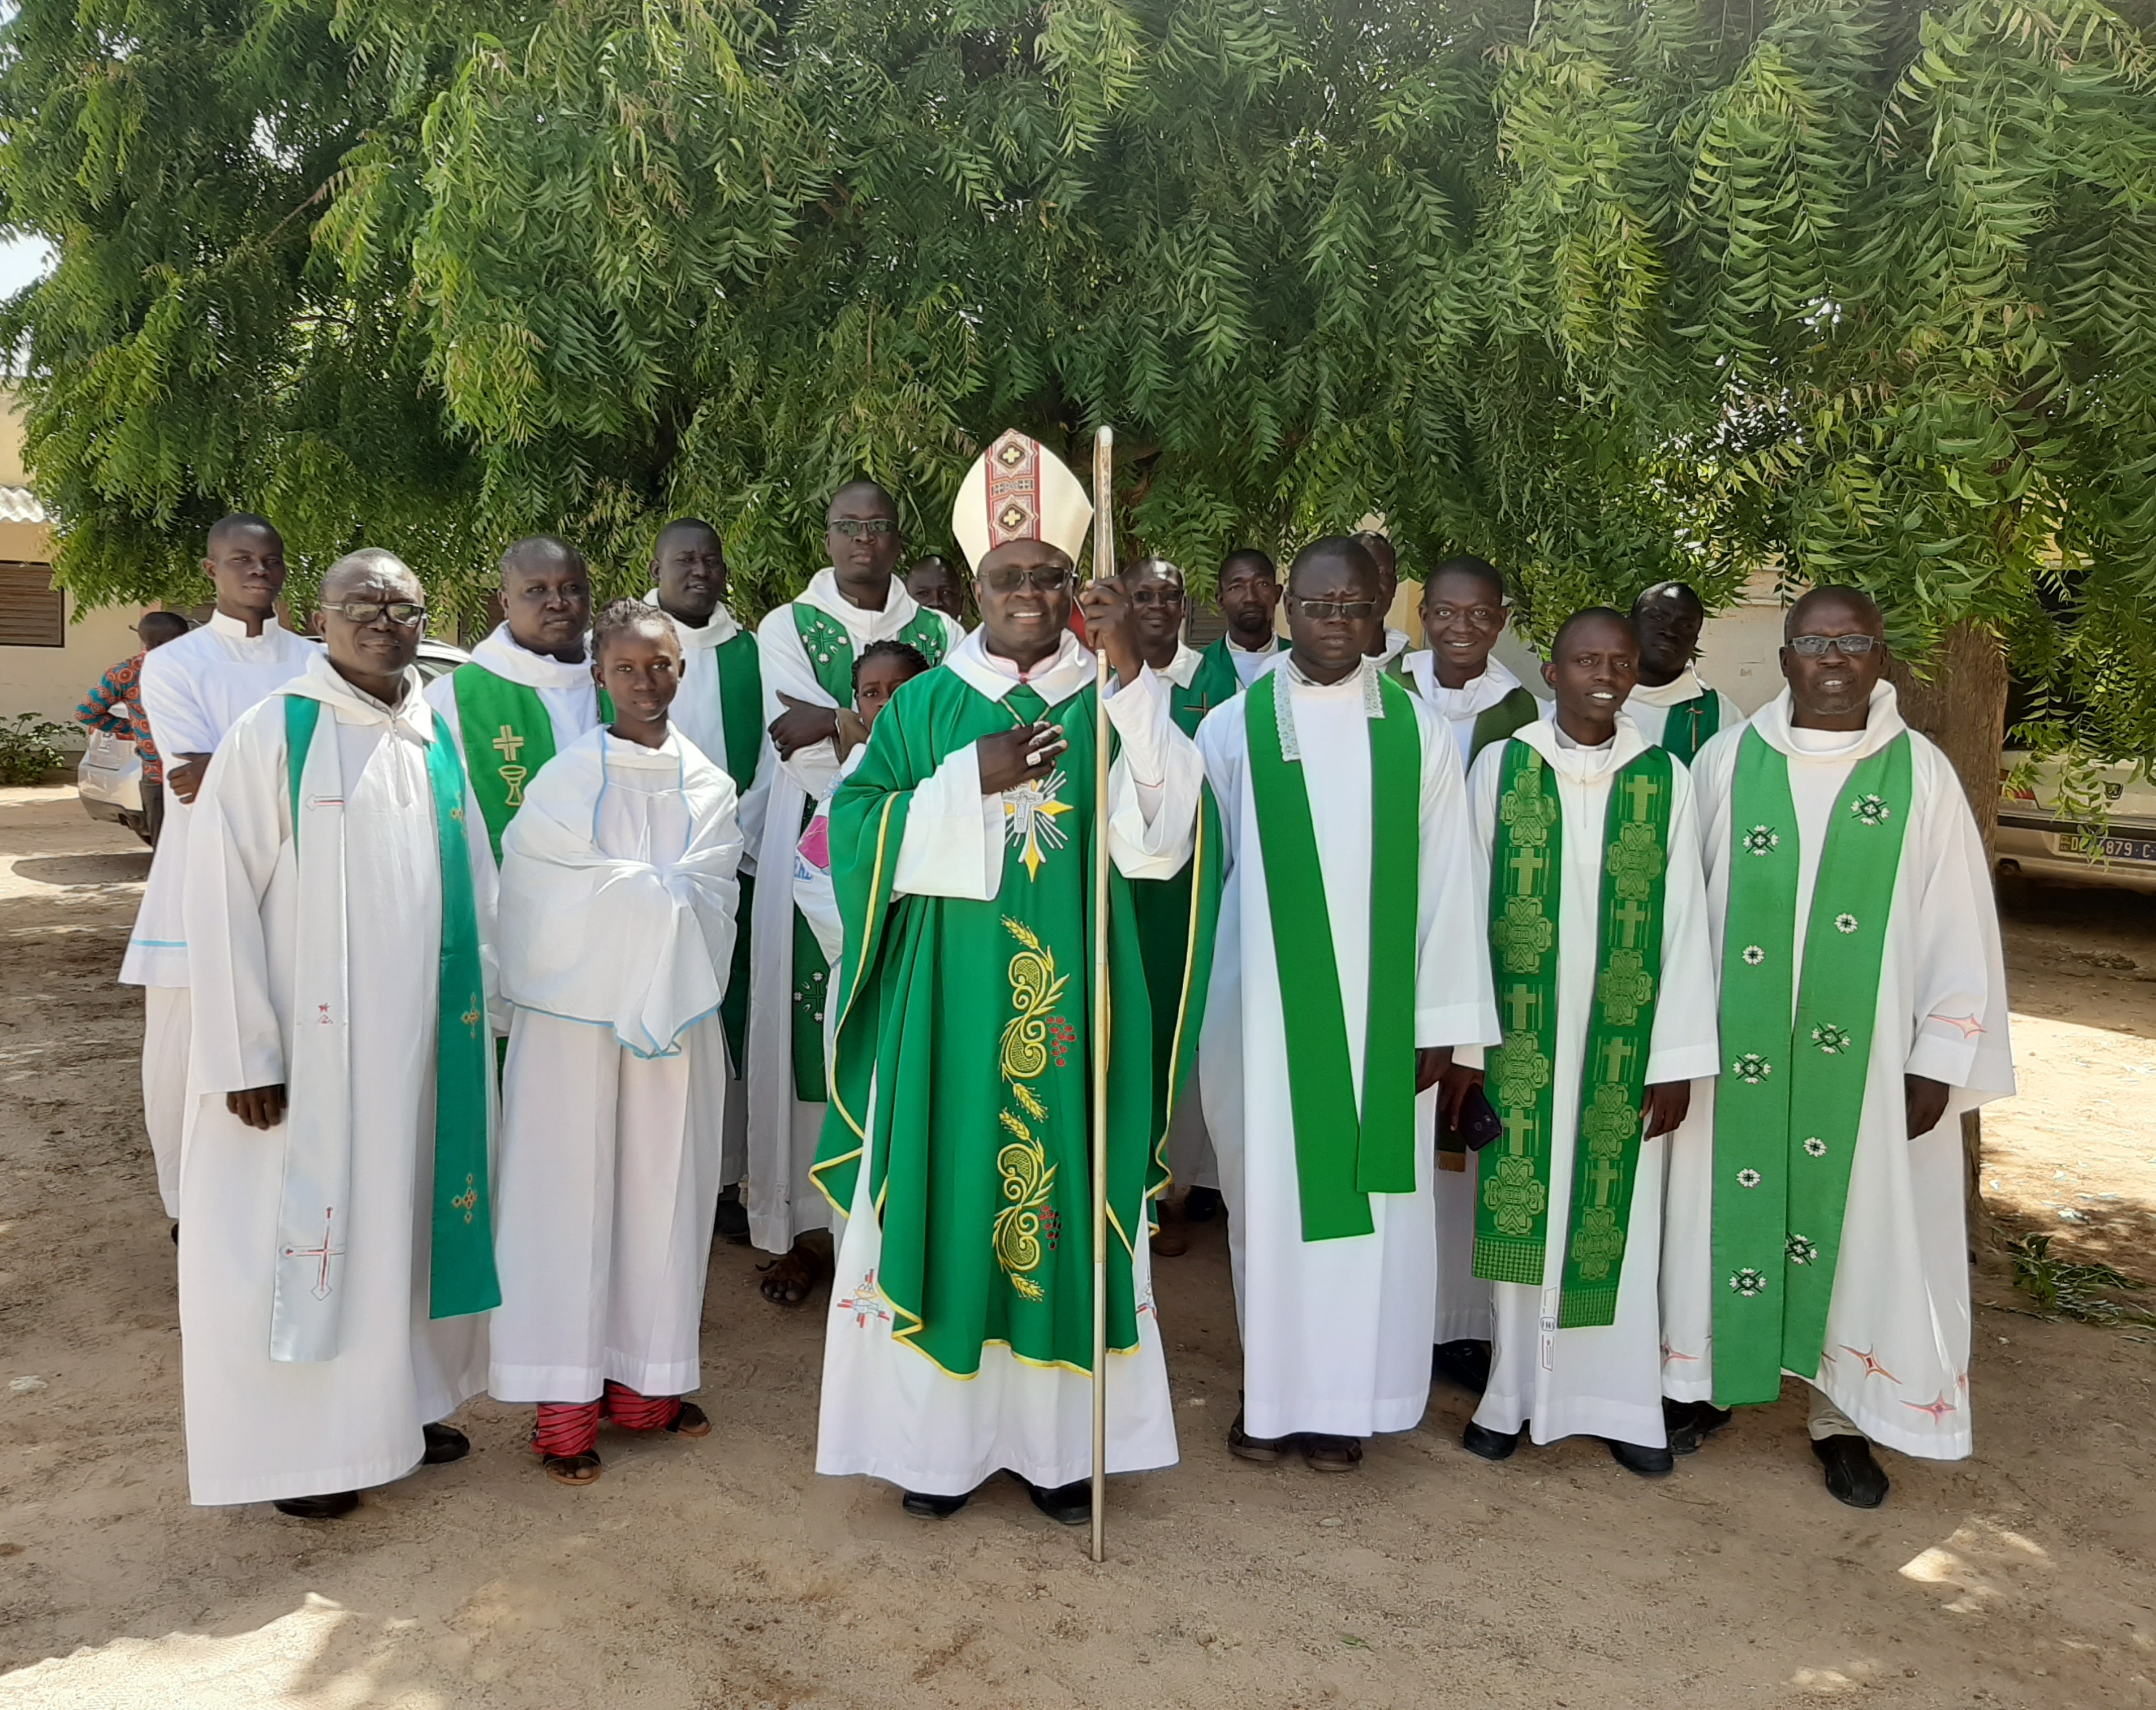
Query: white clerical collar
point(1056, 679)
point(1272, 645)
point(822, 594)
point(718, 629)
point(1183, 666)
point(509, 659)
point(411, 717)
point(1569, 759)
point(234, 629)
point(1680, 689)
point(1478, 695)
point(1396, 641)
point(1882, 724)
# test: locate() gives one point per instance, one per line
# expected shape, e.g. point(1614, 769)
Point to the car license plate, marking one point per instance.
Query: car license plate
point(2129, 849)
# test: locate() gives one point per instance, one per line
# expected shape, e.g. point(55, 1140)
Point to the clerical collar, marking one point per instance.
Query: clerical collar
point(1271, 646)
point(1882, 724)
point(236, 629)
point(1565, 739)
point(1680, 689)
point(716, 631)
point(1476, 695)
point(499, 651)
point(1056, 679)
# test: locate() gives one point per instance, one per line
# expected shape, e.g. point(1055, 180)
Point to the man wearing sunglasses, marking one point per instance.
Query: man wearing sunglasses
point(1349, 963)
point(806, 650)
point(1673, 709)
point(1816, 1222)
point(192, 691)
point(336, 1244)
point(961, 1330)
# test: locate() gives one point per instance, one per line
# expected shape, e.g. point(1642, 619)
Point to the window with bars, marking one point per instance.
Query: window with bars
point(32, 612)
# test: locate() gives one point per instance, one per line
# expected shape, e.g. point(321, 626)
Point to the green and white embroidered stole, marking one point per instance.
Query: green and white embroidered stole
point(1689, 725)
point(1514, 1190)
point(462, 1278)
point(508, 736)
point(1342, 1155)
point(830, 646)
point(1791, 1095)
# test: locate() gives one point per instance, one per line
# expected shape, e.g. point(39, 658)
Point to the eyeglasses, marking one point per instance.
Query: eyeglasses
point(405, 613)
point(1852, 646)
point(1042, 579)
point(1323, 611)
point(1156, 597)
point(876, 528)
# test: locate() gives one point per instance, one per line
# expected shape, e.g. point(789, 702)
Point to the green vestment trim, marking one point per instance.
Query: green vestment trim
point(812, 990)
point(1690, 723)
point(508, 736)
point(461, 1276)
point(741, 708)
point(1514, 1190)
point(1790, 1098)
point(1343, 1155)
point(969, 1022)
point(830, 646)
point(1518, 708)
point(1214, 684)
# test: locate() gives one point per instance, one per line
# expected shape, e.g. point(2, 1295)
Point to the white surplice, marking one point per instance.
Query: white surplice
point(259, 1428)
point(1464, 1306)
point(888, 1410)
point(192, 688)
point(1603, 1381)
point(783, 1131)
point(1335, 1333)
point(617, 909)
point(1650, 705)
point(1895, 1360)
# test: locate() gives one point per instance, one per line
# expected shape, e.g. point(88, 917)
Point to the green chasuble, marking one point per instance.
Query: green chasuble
point(1690, 723)
point(1215, 682)
point(508, 736)
point(1515, 1190)
point(830, 646)
point(461, 1278)
point(1796, 1052)
point(972, 1022)
point(741, 724)
point(1519, 707)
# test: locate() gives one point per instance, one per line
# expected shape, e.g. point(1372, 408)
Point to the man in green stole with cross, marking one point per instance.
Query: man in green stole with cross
point(805, 650)
point(960, 1335)
point(336, 1241)
point(1464, 610)
point(526, 693)
point(1248, 592)
point(1815, 1213)
point(720, 710)
point(1349, 966)
point(1598, 948)
point(1673, 709)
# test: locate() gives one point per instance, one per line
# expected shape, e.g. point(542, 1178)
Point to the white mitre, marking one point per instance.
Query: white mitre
point(1017, 490)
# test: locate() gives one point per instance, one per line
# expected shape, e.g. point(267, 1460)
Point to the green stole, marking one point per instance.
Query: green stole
point(1215, 684)
point(1511, 1211)
point(830, 646)
point(740, 707)
point(1689, 725)
point(508, 736)
point(1791, 1097)
point(461, 1276)
point(1343, 1155)
point(970, 1022)
point(1493, 724)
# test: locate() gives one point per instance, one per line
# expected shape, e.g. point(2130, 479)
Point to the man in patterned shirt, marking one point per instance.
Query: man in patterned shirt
point(115, 707)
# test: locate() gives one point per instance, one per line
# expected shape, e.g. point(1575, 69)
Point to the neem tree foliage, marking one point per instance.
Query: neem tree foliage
point(1604, 291)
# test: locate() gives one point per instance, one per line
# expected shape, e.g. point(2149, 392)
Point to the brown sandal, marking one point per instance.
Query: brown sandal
point(1325, 1454)
point(791, 1278)
point(691, 1421)
point(572, 1469)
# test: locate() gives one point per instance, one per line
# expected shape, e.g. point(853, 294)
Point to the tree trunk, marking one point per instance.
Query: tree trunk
point(1961, 705)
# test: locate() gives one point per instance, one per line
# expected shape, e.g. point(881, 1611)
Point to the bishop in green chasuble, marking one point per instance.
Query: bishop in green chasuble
point(960, 1335)
point(1598, 943)
point(1349, 955)
point(1815, 1221)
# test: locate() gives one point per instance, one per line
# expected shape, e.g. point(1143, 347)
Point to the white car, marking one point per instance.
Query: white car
point(2039, 839)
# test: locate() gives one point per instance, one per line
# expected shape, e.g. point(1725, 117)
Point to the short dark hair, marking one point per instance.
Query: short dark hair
point(862, 483)
point(905, 652)
point(1251, 555)
point(548, 545)
point(177, 621)
point(1347, 547)
point(619, 616)
point(1588, 614)
point(1467, 564)
point(235, 522)
point(1852, 597)
point(1683, 591)
point(681, 525)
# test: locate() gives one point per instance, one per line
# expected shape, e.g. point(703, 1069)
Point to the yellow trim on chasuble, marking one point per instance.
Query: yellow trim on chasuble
point(1028, 1177)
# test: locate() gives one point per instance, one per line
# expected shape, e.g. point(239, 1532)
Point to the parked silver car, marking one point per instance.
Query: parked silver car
point(2039, 839)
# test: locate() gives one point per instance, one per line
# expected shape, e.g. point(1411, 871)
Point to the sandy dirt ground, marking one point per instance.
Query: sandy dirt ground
point(724, 1573)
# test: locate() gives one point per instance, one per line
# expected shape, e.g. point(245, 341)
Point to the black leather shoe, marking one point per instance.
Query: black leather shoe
point(1202, 1204)
point(1852, 1475)
point(731, 1222)
point(1638, 1458)
point(1690, 1424)
point(333, 1506)
point(1069, 1504)
point(1489, 1445)
point(445, 1443)
point(933, 1507)
point(1463, 1365)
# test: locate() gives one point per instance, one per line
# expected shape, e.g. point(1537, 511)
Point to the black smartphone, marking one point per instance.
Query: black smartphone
point(1478, 1124)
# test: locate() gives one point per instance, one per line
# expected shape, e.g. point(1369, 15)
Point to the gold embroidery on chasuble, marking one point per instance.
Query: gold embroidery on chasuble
point(1028, 1177)
point(509, 744)
point(1031, 813)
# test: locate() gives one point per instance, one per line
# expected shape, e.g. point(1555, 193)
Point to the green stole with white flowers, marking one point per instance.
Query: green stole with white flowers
point(1512, 1209)
point(1790, 1097)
